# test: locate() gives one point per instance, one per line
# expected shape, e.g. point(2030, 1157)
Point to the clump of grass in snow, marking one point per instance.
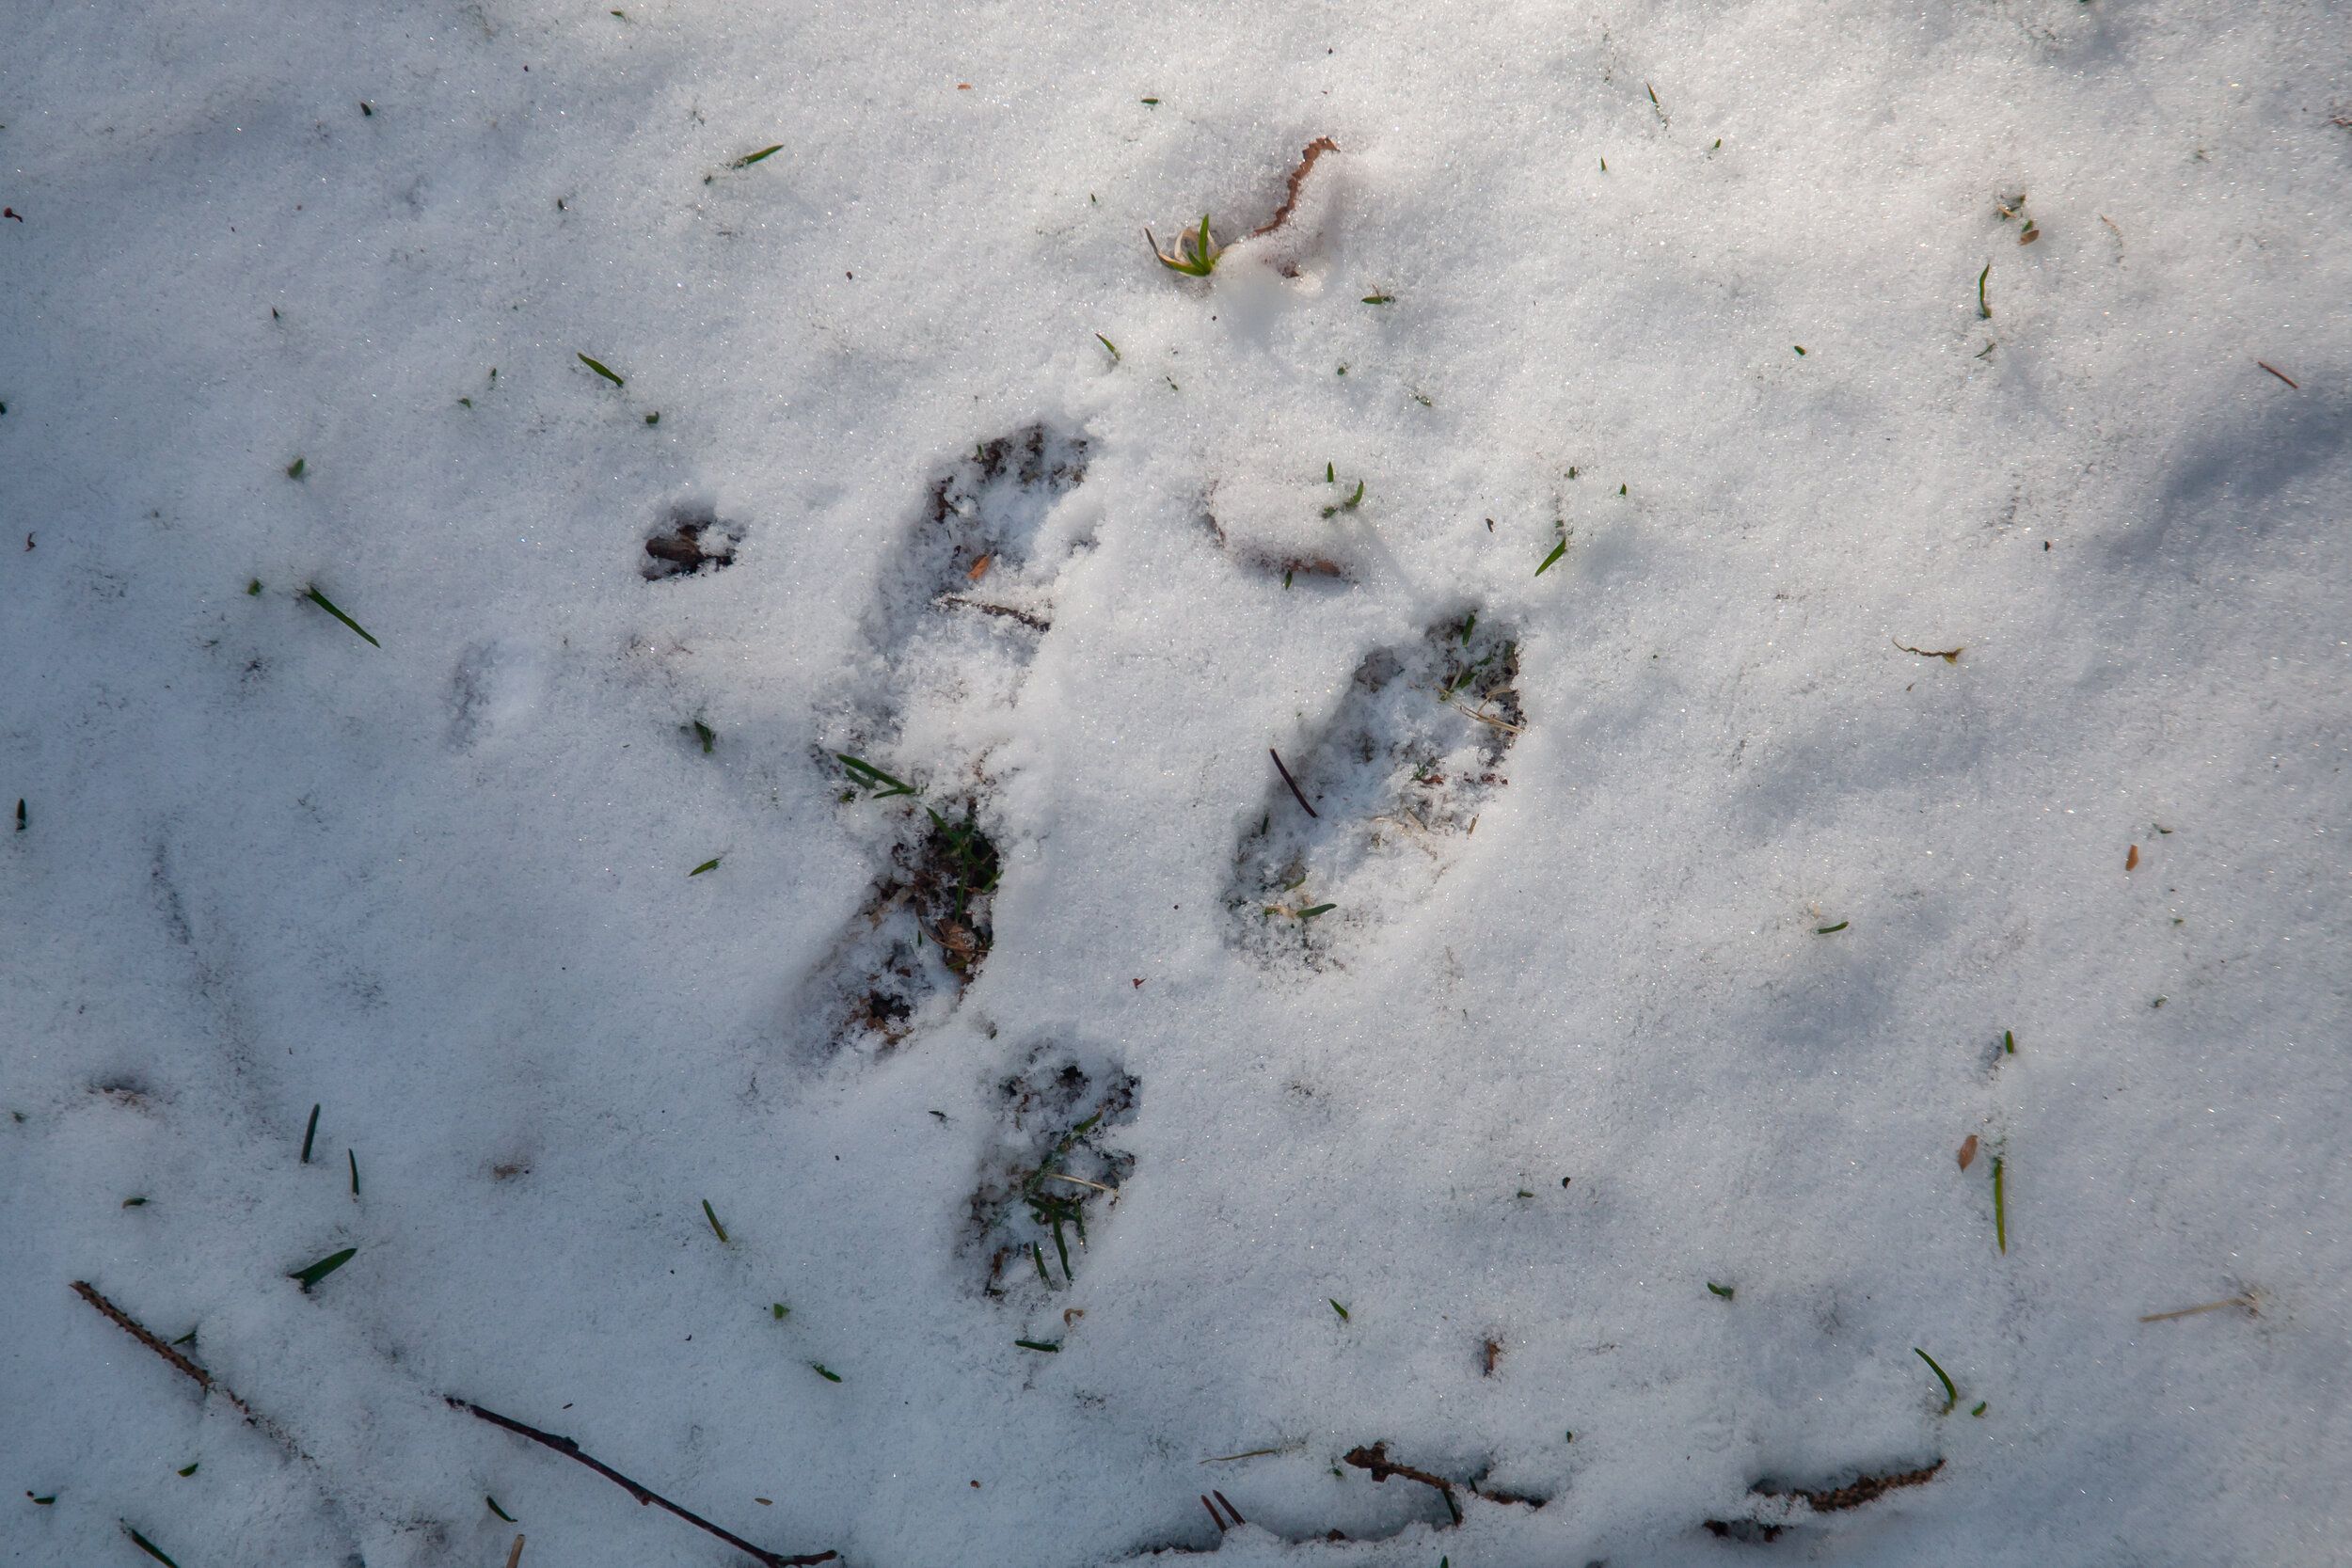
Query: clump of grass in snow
point(1195, 256)
point(296, 468)
point(328, 605)
point(716, 1229)
point(1350, 504)
point(1952, 1394)
point(324, 1266)
point(704, 734)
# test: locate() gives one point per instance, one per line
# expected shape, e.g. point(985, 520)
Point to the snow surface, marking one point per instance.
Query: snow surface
point(1541, 1082)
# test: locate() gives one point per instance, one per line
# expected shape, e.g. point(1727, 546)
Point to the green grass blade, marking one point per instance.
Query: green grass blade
point(602, 370)
point(1952, 1394)
point(2000, 1209)
point(324, 1266)
point(1831, 930)
point(749, 159)
point(355, 1171)
point(873, 777)
point(1984, 309)
point(711, 865)
point(499, 1512)
point(328, 605)
point(143, 1544)
point(824, 1371)
point(716, 1229)
point(1336, 1308)
point(310, 1132)
point(1726, 1292)
point(1550, 560)
point(1038, 1344)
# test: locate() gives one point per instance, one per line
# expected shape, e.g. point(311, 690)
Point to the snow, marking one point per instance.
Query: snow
point(1752, 894)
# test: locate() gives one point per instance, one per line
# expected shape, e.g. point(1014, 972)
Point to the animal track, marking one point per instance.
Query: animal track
point(955, 626)
point(1051, 1167)
point(1396, 780)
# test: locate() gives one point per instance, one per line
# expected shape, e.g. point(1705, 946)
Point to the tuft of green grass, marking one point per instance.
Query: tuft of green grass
point(2008, 1043)
point(602, 370)
point(1319, 909)
point(710, 864)
point(1350, 504)
point(781, 1310)
point(711, 1215)
point(1038, 1344)
point(328, 605)
point(1336, 1308)
point(310, 1132)
point(355, 1171)
point(1952, 1394)
point(190, 1470)
point(1831, 930)
point(654, 418)
point(135, 1203)
point(1108, 345)
point(1800, 348)
point(2000, 1209)
point(1553, 559)
point(324, 1266)
point(143, 1544)
point(1379, 299)
point(253, 588)
point(499, 1512)
point(750, 158)
point(296, 468)
point(1984, 307)
point(824, 1371)
point(873, 777)
point(1195, 256)
point(704, 734)
point(1726, 1292)
point(1981, 1405)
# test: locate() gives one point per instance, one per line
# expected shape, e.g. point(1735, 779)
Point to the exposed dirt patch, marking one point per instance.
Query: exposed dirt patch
point(1053, 1169)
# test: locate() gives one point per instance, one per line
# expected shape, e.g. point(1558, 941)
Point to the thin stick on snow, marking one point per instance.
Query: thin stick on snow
point(2246, 1302)
point(643, 1495)
point(1296, 794)
point(515, 1553)
point(181, 1364)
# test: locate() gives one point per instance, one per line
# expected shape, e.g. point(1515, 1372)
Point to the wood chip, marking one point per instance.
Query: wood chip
point(979, 569)
point(2131, 860)
point(1968, 1151)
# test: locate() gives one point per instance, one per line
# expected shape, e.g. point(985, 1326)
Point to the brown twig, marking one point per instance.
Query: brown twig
point(138, 1330)
point(1213, 1513)
point(643, 1495)
point(1228, 1505)
point(2245, 1300)
point(515, 1553)
point(1949, 655)
point(2279, 373)
point(1375, 1459)
point(1296, 793)
point(1864, 1489)
point(1307, 157)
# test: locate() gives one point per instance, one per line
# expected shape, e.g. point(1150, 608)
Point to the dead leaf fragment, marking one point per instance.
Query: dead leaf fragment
point(1967, 1152)
point(2131, 860)
point(979, 569)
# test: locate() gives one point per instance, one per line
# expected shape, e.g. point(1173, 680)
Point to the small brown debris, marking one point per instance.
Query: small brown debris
point(979, 569)
point(1968, 1151)
point(1071, 1314)
point(1489, 1353)
point(771, 1503)
point(1949, 655)
point(2131, 858)
point(2279, 373)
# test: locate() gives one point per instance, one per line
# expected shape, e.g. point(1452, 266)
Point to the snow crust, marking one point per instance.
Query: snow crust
point(1710, 996)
